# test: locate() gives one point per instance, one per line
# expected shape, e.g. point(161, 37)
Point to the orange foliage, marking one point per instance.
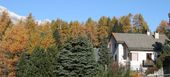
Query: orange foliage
point(14, 42)
point(91, 31)
point(162, 26)
point(15, 39)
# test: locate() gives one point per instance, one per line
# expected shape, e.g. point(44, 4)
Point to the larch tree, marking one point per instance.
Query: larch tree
point(30, 23)
point(91, 30)
point(31, 26)
point(5, 23)
point(15, 41)
point(140, 24)
point(63, 32)
point(45, 36)
point(103, 21)
point(102, 29)
point(39, 34)
point(76, 29)
point(126, 23)
point(117, 26)
point(162, 27)
point(113, 22)
point(56, 27)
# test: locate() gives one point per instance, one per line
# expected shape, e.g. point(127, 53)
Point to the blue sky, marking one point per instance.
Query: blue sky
point(153, 10)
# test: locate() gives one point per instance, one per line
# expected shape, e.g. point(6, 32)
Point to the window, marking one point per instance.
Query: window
point(133, 56)
point(148, 56)
point(130, 56)
point(115, 57)
point(124, 52)
point(115, 45)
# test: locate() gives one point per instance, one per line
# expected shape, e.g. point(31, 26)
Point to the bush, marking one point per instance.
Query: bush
point(151, 70)
point(115, 71)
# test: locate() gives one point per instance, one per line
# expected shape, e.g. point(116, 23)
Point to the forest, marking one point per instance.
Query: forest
point(64, 49)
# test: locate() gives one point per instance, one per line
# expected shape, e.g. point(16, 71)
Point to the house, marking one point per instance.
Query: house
point(135, 50)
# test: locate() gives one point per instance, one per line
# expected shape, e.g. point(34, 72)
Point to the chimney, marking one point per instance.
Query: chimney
point(156, 35)
point(148, 33)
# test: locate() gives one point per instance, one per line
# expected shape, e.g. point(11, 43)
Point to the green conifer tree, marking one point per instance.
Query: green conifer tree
point(40, 63)
point(77, 59)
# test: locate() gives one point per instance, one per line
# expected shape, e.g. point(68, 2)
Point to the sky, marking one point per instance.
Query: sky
point(153, 11)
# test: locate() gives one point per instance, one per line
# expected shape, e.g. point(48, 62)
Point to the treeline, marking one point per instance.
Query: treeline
point(60, 48)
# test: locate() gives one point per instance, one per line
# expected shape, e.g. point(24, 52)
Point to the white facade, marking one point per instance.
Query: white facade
point(122, 54)
point(138, 57)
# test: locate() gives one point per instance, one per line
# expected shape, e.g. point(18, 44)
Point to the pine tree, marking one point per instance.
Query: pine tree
point(77, 59)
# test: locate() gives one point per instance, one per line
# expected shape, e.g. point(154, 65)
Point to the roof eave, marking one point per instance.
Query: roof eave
point(140, 49)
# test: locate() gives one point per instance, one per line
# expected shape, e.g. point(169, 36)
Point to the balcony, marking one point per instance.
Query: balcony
point(148, 63)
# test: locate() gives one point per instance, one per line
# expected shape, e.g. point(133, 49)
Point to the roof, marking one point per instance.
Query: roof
point(138, 41)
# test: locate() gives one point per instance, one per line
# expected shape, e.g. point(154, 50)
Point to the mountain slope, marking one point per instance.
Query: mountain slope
point(15, 17)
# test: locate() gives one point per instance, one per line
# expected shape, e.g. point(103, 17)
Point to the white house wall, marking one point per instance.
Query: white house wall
point(141, 55)
point(120, 53)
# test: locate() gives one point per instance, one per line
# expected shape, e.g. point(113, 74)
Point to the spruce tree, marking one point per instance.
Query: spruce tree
point(77, 59)
point(40, 63)
point(104, 56)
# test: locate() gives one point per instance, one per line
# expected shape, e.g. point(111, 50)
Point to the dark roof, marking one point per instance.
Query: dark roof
point(138, 41)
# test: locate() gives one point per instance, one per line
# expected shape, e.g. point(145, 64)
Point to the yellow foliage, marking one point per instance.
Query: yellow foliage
point(5, 23)
point(102, 33)
point(42, 36)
